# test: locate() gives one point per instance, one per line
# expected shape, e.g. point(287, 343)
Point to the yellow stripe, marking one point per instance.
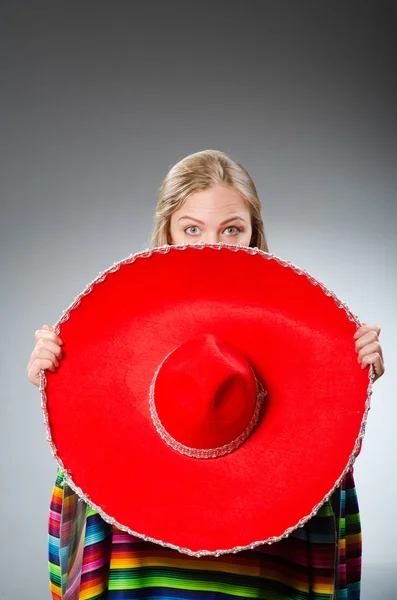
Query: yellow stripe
point(91, 591)
point(354, 537)
point(175, 563)
point(57, 492)
point(323, 588)
point(55, 589)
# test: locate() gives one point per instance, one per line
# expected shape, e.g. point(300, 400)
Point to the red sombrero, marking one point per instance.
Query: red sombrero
point(209, 398)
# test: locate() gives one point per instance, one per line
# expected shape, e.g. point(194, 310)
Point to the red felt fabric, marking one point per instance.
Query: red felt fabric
point(294, 336)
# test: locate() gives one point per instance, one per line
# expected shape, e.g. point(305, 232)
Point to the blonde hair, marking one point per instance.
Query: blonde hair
point(197, 172)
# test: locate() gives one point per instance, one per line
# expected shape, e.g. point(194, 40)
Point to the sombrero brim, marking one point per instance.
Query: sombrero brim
point(297, 336)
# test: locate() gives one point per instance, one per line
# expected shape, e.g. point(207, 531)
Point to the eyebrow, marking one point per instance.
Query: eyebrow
point(223, 222)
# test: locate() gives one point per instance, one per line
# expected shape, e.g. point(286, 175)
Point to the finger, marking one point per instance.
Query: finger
point(49, 334)
point(43, 364)
point(368, 338)
point(365, 328)
point(50, 345)
point(37, 361)
point(375, 347)
point(47, 345)
point(44, 353)
point(38, 365)
point(375, 360)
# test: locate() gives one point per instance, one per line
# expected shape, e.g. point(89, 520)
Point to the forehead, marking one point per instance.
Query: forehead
point(215, 199)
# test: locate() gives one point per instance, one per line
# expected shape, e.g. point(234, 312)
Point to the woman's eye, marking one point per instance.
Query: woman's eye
point(234, 230)
point(195, 228)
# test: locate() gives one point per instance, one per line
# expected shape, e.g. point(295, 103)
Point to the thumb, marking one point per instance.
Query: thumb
point(47, 327)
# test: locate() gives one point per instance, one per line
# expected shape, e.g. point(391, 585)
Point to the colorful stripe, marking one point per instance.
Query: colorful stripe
point(91, 560)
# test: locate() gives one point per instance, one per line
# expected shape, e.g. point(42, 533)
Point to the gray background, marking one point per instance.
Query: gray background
point(98, 100)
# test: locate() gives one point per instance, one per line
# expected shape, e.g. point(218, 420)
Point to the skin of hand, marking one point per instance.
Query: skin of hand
point(46, 354)
point(369, 349)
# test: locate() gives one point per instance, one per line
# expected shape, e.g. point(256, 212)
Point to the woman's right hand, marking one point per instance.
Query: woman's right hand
point(46, 354)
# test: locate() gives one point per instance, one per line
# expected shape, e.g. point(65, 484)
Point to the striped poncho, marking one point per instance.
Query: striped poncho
point(92, 560)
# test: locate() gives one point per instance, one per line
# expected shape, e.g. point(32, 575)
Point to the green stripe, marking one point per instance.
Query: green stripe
point(182, 584)
point(55, 574)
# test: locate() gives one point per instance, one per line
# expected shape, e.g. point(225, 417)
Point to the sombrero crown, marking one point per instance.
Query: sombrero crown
point(205, 399)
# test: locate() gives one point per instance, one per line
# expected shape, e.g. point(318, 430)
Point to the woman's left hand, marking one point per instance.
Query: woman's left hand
point(369, 349)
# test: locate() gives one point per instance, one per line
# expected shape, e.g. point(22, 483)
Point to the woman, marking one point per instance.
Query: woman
point(206, 197)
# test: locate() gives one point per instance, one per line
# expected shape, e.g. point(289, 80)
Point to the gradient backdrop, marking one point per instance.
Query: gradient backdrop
point(99, 99)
